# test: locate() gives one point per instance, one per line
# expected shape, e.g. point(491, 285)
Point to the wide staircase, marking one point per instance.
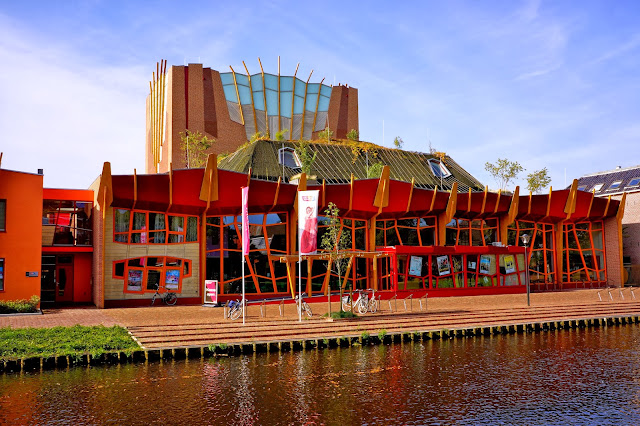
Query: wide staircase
point(262, 331)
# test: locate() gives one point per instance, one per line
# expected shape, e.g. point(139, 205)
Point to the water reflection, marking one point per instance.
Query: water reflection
point(566, 377)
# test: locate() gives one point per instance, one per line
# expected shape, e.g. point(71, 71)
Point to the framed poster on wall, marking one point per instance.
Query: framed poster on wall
point(415, 266)
point(444, 267)
point(134, 280)
point(509, 264)
point(172, 279)
point(485, 264)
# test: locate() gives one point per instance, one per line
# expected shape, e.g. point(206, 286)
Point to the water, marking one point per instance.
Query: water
point(566, 377)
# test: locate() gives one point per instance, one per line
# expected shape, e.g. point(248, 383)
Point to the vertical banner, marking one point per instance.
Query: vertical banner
point(308, 222)
point(245, 221)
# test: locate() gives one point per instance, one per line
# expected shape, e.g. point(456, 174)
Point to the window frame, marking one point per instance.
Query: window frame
point(597, 187)
point(631, 184)
point(3, 222)
point(3, 273)
point(443, 168)
point(296, 159)
point(615, 185)
point(144, 270)
point(145, 232)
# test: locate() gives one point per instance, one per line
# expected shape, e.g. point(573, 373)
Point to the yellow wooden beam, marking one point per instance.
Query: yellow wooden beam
point(293, 102)
point(275, 196)
point(413, 183)
point(593, 196)
point(315, 114)
point(105, 189)
point(253, 104)
point(327, 277)
point(382, 193)
point(304, 106)
point(484, 199)
point(495, 209)
point(469, 202)
point(235, 83)
point(572, 198)
point(606, 209)
point(135, 189)
point(209, 187)
point(347, 272)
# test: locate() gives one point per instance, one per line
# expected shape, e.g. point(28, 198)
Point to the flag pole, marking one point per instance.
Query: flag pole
point(243, 303)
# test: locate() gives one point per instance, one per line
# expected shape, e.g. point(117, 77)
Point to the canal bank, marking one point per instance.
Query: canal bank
point(196, 332)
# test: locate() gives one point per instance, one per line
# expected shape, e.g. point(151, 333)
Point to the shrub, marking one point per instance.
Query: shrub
point(343, 314)
point(382, 334)
point(19, 306)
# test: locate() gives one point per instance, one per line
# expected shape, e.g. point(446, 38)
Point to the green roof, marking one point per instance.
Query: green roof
point(336, 161)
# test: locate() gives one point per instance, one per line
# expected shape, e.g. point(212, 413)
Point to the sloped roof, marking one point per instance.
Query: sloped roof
point(336, 161)
point(607, 178)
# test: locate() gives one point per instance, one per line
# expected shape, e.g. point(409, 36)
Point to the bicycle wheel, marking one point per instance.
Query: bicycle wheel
point(170, 299)
point(373, 306)
point(346, 304)
point(307, 309)
point(236, 312)
point(153, 299)
point(362, 306)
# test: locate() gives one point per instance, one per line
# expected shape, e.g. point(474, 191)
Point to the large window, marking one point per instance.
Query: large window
point(540, 252)
point(139, 227)
point(1, 274)
point(412, 231)
point(66, 223)
point(263, 271)
point(584, 259)
point(145, 274)
point(3, 215)
point(477, 232)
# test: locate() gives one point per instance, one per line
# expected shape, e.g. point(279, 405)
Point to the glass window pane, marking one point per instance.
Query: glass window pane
point(192, 229)
point(176, 223)
point(256, 82)
point(312, 99)
point(285, 104)
point(139, 221)
point(226, 77)
point(271, 82)
point(272, 102)
point(323, 103)
point(230, 93)
point(121, 220)
point(156, 221)
point(245, 95)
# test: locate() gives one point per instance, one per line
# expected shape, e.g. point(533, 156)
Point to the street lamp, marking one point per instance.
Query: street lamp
point(525, 241)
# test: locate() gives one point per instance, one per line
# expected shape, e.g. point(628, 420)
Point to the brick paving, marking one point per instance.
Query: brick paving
point(173, 326)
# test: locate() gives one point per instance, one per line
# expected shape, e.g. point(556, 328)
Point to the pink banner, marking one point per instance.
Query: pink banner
point(245, 221)
point(308, 221)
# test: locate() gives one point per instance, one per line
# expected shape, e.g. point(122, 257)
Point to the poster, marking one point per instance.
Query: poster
point(172, 279)
point(134, 280)
point(485, 264)
point(415, 266)
point(308, 221)
point(444, 267)
point(211, 292)
point(245, 221)
point(509, 264)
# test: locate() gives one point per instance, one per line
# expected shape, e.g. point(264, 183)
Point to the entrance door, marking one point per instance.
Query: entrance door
point(64, 281)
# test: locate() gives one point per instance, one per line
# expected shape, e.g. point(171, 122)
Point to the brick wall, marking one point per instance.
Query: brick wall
point(612, 252)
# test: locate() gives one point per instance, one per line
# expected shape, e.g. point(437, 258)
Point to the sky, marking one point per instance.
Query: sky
point(552, 84)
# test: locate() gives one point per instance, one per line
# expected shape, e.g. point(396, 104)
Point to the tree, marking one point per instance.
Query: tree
point(326, 134)
point(280, 135)
point(353, 135)
point(257, 136)
point(307, 156)
point(374, 170)
point(504, 171)
point(334, 241)
point(538, 180)
point(195, 146)
point(398, 142)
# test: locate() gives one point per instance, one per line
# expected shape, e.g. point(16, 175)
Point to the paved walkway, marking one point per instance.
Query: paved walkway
point(196, 325)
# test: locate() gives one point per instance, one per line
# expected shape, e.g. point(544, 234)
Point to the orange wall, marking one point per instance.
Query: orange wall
point(20, 244)
point(68, 194)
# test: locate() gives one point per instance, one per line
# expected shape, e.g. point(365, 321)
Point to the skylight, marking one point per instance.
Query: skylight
point(582, 188)
point(289, 158)
point(615, 185)
point(438, 169)
point(598, 187)
point(634, 182)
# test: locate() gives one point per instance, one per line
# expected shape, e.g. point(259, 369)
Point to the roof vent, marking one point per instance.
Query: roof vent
point(40, 171)
point(618, 167)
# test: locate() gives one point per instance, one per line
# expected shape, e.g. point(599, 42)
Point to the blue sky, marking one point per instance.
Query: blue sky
point(548, 84)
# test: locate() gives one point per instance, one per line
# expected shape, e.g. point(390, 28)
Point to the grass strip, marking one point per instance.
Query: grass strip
point(77, 340)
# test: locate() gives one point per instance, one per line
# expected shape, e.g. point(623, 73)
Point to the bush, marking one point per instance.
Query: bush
point(343, 314)
point(19, 306)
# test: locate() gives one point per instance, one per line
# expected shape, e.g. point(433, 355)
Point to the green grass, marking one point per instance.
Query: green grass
point(44, 342)
point(343, 314)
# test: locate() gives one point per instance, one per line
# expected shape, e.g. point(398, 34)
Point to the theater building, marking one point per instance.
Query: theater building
point(437, 233)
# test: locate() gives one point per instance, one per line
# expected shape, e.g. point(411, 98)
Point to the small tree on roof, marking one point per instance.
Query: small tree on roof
point(538, 180)
point(307, 156)
point(195, 146)
point(504, 171)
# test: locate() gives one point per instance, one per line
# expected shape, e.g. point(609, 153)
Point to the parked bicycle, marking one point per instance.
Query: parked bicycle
point(306, 309)
point(165, 295)
point(234, 309)
point(363, 302)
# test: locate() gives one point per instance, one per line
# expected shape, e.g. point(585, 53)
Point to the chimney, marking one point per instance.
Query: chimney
point(40, 171)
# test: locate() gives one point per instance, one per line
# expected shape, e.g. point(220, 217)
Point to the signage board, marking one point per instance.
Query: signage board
point(211, 292)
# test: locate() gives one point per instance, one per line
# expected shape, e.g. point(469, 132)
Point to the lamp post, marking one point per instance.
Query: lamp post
point(525, 242)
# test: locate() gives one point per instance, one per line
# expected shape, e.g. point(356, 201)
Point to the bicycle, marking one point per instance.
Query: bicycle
point(167, 297)
point(306, 309)
point(373, 302)
point(362, 304)
point(234, 309)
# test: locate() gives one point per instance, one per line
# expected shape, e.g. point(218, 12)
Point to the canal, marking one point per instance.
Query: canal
point(584, 376)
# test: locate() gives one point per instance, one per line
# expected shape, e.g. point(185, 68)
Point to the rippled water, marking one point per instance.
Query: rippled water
point(567, 377)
